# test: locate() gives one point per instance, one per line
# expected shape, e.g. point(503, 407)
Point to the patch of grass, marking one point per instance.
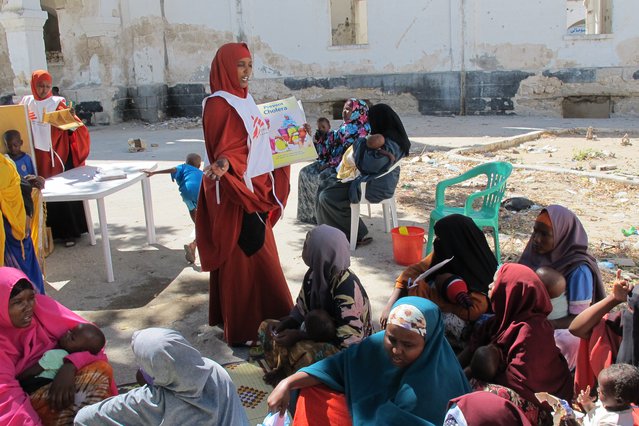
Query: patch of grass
point(587, 154)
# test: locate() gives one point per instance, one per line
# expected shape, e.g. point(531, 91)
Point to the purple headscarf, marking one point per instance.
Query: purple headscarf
point(570, 250)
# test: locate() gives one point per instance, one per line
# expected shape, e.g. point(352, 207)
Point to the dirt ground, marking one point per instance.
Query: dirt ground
point(604, 206)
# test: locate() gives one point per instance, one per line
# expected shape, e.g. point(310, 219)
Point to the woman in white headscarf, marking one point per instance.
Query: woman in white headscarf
point(187, 388)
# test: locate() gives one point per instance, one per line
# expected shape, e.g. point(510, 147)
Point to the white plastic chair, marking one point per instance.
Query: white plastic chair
point(389, 209)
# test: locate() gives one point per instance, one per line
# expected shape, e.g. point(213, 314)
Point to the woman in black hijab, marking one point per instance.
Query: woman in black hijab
point(368, 160)
point(456, 237)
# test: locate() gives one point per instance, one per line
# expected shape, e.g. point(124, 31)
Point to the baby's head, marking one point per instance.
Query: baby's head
point(553, 280)
point(485, 362)
point(83, 337)
point(618, 386)
point(194, 160)
point(454, 289)
point(375, 141)
point(13, 142)
point(323, 125)
point(320, 327)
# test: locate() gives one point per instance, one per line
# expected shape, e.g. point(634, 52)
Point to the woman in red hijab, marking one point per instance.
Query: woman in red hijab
point(241, 198)
point(530, 361)
point(57, 150)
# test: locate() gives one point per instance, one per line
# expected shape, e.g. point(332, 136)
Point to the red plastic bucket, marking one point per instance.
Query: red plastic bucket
point(408, 249)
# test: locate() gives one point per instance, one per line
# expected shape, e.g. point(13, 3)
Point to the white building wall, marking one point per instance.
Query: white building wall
point(114, 48)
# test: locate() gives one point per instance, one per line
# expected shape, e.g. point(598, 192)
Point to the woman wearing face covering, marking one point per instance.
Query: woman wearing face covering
point(365, 161)
point(241, 199)
point(57, 150)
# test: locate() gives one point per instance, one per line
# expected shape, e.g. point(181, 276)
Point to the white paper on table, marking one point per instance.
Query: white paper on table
point(430, 271)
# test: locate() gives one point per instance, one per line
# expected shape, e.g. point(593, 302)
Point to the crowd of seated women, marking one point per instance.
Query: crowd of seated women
point(470, 344)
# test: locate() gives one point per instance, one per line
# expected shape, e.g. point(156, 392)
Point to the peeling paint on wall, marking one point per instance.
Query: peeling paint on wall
point(509, 56)
point(6, 73)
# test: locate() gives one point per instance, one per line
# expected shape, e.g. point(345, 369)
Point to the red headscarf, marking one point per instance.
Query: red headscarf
point(224, 69)
point(485, 409)
point(525, 336)
point(36, 77)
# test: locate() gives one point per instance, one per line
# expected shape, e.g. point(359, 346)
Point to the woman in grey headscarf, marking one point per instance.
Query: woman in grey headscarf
point(331, 313)
point(186, 388)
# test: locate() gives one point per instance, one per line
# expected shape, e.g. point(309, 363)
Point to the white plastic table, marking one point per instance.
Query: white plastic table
point(79, 185)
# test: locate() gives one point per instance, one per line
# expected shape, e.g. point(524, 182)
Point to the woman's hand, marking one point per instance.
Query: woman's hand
point(620, 288)
point(279, 399)
point(148, 173)
point(217, 169)
point(289, 337)
point(62, 389)
point(383, 318)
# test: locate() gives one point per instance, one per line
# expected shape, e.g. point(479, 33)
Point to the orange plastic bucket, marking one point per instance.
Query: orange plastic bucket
point(408, 249)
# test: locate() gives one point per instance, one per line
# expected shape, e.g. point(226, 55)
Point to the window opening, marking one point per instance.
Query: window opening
point(349, 23)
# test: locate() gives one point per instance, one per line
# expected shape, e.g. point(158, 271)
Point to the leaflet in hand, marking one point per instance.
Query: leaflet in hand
point(289, 141)
point(430, 271)
point(62, 119)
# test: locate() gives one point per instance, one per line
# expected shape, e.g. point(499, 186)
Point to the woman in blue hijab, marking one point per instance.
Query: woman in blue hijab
point(403, 375)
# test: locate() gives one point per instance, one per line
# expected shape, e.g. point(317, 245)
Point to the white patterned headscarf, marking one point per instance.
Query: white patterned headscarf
point(409, 318)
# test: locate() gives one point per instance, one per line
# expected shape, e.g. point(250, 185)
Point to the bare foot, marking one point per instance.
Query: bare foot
point(189, 252)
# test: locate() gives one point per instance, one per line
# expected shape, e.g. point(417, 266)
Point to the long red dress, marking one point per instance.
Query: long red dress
point(70, 150)
point(244, 290)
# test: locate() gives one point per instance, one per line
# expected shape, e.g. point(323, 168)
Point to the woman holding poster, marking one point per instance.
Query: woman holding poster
point(241, 198)
point(57, 150)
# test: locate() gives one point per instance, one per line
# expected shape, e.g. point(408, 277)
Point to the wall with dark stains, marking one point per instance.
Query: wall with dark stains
point(150, 59)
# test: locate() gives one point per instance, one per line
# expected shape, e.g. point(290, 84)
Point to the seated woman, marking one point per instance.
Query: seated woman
point(186, 388)
point(334, 204)
point(484, 409)
point(403, 375)
point(329, 290)
point(458, 237)
point(607, 338)
point(559, 241)
point(330, 145)
point(29, 327)
point(530, 361)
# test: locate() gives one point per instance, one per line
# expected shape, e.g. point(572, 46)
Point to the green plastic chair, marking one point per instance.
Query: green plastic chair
point(488, 215)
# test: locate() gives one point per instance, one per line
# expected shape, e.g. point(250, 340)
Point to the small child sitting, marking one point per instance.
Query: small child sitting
point(22, 160)
point(453, 289)
point(323, 127)
point(188, 176)
point(618, 388)
point(82, 337)
point(485, 363)
point(555, 284)
point(319, 326)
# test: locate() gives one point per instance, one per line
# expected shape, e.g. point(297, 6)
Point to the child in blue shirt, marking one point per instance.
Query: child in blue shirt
point(188, 176)
point(22, 160)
